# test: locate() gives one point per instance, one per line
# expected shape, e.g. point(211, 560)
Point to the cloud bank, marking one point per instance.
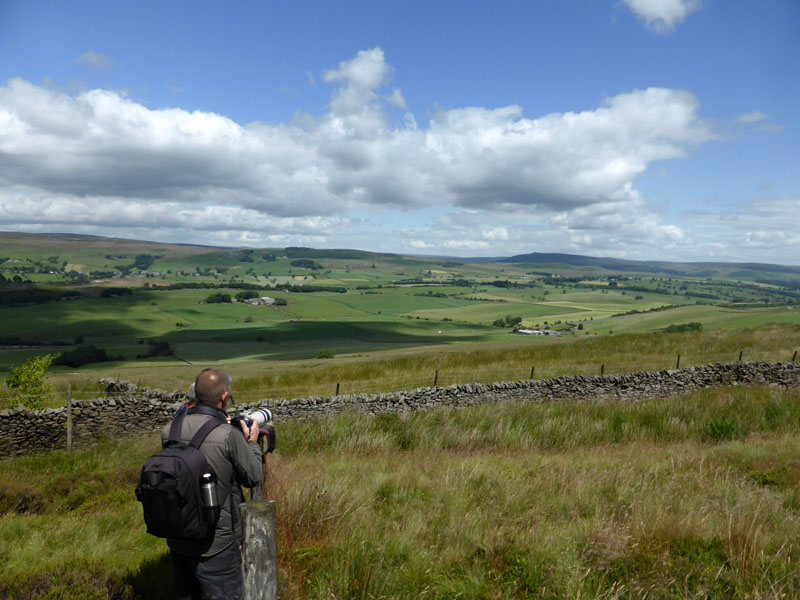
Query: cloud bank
point(98, 161)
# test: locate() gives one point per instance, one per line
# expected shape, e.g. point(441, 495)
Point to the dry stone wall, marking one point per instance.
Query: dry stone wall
point(142, 411)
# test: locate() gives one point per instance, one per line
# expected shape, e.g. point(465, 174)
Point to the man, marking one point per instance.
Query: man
point(212, 568)
point(190, 402)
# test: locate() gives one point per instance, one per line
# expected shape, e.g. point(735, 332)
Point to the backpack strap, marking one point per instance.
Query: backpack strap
point(197, 439)
point(201, 434)
point(175, 428)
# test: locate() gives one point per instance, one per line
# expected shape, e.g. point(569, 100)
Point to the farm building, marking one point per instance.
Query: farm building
point(537, 332)
point(263, 301)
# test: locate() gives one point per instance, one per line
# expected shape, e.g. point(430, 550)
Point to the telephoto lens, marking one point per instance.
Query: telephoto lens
point(261, 416)
point(208, 498)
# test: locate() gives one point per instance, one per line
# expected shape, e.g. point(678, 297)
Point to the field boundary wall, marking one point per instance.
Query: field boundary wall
point(129, 410)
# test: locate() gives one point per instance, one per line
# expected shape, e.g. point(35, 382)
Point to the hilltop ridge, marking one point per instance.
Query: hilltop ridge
point(555, 260)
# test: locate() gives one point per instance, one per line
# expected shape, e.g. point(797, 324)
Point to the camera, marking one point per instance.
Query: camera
point(261, 418)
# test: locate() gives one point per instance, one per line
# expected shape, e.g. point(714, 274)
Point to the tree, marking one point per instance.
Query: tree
point(246, 295)
point(28, 381)
point(218, 298)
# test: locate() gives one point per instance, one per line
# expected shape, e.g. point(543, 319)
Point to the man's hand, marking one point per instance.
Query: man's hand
point(250, 435)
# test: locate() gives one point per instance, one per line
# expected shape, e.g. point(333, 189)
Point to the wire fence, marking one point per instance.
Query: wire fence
point(431, 377)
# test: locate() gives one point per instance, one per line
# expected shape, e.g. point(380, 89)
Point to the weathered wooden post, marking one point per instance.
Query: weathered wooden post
point(532, 369)
point(69, 419)
point(740, 355)
point(259, 543)
point(795, 356)
point(436, 378)
point(678, 364)
point(602, 369)
point(337, 389)
point(259, 551)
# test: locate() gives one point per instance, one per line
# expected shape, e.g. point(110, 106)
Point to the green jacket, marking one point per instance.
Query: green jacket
point(236, 462)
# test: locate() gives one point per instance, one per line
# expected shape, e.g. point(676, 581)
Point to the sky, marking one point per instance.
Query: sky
point(638, 129)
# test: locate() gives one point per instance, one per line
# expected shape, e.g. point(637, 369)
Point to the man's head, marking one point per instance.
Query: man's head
point(212, 387)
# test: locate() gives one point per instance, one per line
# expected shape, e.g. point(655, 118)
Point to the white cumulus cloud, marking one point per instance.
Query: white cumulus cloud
point(662, 16)
point(498, 233)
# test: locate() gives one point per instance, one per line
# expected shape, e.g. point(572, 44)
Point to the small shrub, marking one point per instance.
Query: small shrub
point(721, 428)
point(326, 353)
point(28, 382)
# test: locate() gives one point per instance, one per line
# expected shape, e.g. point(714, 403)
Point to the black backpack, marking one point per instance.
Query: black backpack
point(169, 486)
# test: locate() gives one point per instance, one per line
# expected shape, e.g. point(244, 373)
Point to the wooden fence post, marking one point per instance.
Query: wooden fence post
point(337, 389)
point(678, 364)
point(795, 355)
point(602, 369)
point(69, 419)
point(532, 369)
point(436, 378)
point(740, 355)
point(259, 551)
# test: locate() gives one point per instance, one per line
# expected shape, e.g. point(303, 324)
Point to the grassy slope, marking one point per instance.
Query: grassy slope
point(387, 356)
point(683, 498)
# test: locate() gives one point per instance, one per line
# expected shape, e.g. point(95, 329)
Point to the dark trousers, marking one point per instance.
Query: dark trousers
point(217, 577)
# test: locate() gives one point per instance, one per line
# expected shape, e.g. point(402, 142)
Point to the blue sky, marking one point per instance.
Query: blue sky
point(642, 129)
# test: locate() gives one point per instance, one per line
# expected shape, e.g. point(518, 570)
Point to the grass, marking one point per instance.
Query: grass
point(545, 500)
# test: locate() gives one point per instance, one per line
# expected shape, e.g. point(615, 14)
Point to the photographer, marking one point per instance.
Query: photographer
point(212, 568)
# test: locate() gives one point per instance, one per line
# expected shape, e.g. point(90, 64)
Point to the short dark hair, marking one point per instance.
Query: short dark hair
point(210, 385)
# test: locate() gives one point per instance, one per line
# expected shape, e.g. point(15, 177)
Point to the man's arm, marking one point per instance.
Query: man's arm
point(246, 458)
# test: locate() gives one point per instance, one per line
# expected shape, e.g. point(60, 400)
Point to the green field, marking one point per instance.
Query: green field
point(376, 309)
